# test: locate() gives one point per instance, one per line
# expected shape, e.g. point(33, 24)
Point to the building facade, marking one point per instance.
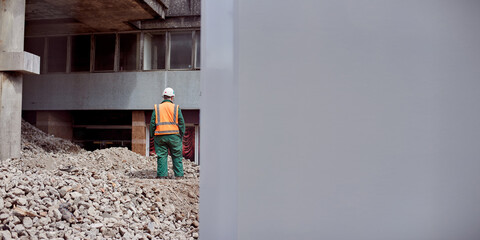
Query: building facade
point(104, 65)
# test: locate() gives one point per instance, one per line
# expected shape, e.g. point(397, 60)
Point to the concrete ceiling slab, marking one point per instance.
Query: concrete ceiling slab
point(80, 16)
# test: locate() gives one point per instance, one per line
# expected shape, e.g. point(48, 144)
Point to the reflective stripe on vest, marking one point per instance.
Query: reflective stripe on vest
point(166, 118)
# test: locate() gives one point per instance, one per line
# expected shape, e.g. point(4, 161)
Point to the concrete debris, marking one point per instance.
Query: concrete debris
point(58, 190)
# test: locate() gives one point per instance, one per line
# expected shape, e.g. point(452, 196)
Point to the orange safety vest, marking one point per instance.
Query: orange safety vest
point(166, 118)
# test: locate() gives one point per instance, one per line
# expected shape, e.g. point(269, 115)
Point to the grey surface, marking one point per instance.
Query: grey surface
point(183, 8)
point(12, 20)
point(20, 62)
point(219, 123)
point(12, 25)
point(113, 91)
point(10, 114)
point(356, 120)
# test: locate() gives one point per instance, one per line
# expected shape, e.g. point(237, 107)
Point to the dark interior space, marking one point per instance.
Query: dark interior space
point(102, 129)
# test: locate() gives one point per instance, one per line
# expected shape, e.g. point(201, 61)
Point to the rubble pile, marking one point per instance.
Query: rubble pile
point(57, 190)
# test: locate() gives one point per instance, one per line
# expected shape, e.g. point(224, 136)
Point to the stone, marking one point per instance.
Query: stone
point(21, 201)
point(122, 230)
point(108, 232)
point(128, 235)
point(19, 228)
point(44, 220)
point(91, 211)
point(97, 225)
point(17, 191)
point(196, 223)
point(51, 234)
point(110, 176)
point(2, 203)
point(27, 222)
point(103, 201)
point(42, 194)
point(5, 235)
point(66, 215)
point(64, 190)
point(169, 209)
point(57, 214)
point(4, 216)
point(15, 220)
point(42, 235)
point(75, 195)
point(60, 225)
point(151, 227)
point(195, 235)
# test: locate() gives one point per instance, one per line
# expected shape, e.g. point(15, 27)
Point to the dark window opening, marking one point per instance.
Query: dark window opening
point(80, 53)
point(158, 51)
point(102, 129)
point(57, 54)
point(181, 45)
point(104, 52)
point(128, 52)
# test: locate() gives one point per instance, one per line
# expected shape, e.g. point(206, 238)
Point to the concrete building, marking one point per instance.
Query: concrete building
point(103, 65)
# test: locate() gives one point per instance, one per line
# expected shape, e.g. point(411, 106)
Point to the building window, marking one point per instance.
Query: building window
point(104, 52)
point(80, 53)
point(181, 45)
point(57, 54)
point(128, 52)
point(37, 47)
point(158, 52)
point(197, 50)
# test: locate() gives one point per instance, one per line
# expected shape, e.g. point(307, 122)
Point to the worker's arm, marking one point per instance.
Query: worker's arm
point(152, 125)
point(181, 123)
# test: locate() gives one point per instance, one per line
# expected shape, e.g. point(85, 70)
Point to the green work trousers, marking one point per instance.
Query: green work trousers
point(162, 144)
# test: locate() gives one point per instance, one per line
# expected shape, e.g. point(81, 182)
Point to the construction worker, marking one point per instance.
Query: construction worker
point(167, 127)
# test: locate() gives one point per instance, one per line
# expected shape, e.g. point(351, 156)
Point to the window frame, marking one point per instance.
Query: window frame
point(139, 54)
point(169, 50)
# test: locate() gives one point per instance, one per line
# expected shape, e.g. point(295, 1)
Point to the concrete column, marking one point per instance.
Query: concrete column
point(12, 22)
point(139, 134)
point(10, 114)
point(57, 123)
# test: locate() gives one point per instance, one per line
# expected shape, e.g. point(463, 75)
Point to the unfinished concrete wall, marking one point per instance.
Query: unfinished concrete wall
point(109, 91)
point(57, 123)
point(183, 8)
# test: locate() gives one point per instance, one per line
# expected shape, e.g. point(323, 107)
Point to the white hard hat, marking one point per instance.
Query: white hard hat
point(168, 92)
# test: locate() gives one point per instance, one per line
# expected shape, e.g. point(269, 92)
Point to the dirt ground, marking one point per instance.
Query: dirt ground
point(58, 190)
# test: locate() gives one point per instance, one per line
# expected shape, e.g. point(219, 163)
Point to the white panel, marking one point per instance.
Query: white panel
point(356, 119)
point(219, 120)
point(359, 119)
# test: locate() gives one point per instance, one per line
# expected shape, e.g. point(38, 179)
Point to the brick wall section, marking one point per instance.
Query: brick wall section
point(57, 123)
point(138, 132)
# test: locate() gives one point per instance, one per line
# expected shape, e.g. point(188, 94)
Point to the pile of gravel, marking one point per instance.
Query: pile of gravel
point(57, 190)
